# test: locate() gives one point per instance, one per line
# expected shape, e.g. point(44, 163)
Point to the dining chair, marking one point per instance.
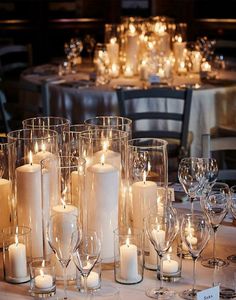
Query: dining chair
point(166, 110)
point(212, 145)
point(4, 128)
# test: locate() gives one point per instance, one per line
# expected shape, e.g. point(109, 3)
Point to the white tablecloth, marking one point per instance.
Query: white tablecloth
point(212, 104)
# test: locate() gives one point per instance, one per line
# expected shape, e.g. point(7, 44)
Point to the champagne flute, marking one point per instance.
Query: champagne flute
point(191, 176)
point(63, 235)
point(162, 230)
point(195, 233)
point(232, 257)
point(215, 205)
point(86, 256)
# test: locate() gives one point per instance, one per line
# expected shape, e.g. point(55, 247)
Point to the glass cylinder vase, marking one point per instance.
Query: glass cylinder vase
point(105, 151)
point(30, 147)
point(148, 181)
point(7, 203)
point(128, 255)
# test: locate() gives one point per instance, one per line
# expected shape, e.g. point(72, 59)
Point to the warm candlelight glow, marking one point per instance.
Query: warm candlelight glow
point(144, 176)
point(16, 237)
point(43, 147)
point(113, 40)
point(127, 242)
point(36, 147)
point(41, 272)
point(132, 28)
point(103, 159)
point(105, 145)
point(178, 39)
point(30, 158)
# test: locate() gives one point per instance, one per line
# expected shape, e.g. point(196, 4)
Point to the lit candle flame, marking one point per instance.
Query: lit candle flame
point(16, 238)
point(41, 272)
point(43, 263)
point(63, 198)
point(43, 147)
point(103, 159)
point(105, 145)
point(144, 176)
point(132, 28)
point(168, 257)
point(113, 40)
point(36, 147)
point(127, 242)
point(178, 39)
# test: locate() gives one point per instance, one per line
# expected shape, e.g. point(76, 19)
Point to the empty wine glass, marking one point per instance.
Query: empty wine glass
point(215, 205)
point(232, 207)
point(210, 168)
point(87, 254)
point(162, 230)
point(63, 235)
point(191, 176)
point(195, 233)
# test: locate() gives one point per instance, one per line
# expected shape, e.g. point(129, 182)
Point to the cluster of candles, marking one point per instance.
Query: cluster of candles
point(147, 48)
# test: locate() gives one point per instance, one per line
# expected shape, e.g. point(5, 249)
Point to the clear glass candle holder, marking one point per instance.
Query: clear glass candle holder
point(93, 280)
point(16, 253)
point(105, 152)
point(172, 264)
point(42, 278)
point(31, 146)
point(8, 217)
point(128, 256)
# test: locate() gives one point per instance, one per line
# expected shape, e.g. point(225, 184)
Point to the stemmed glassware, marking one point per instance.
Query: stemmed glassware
point(63, 235)
point(210, 168)
point(86, 256)
point(215, 205)
point(191, 176)
point(232, 207)
point(195, 233)
point(162, 230)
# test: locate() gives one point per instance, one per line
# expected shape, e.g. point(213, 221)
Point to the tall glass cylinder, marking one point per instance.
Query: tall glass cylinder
point(64, 181)
point(6, 189)
point(30, 147)
point(59, 124)
point(105, 151)
point(148, 181)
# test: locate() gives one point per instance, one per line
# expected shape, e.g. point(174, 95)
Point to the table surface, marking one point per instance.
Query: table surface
point(226, 245)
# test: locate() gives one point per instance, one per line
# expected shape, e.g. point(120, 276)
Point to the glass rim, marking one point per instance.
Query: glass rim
point(127, 120)
point(10, 135)
point(71, 158)
point(161, 141)
point(134, 232)
point(92, 134)
point(30, 126)
point(25, 231)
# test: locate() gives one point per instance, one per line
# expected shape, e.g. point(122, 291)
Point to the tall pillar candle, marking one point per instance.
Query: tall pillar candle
point(128, 261)
point(5, 206)
point(29, 203)
point(132, 47)
point(103, 205)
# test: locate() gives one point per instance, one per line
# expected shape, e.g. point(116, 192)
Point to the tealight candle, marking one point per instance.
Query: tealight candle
point(43, 281)
point(93, 280)
point(170, 266)
point(128, 71)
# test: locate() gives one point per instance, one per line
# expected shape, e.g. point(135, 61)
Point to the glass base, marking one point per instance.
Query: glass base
point(162, 293)
point(232, 258)
point(190, 294)
point(214, 262)
point(227, 293)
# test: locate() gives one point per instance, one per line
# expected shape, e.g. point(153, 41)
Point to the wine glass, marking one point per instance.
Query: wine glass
point(191, 176)
point(232, 207)
point(87, 254)
point(63, 235)
point(195, 233)
point(215, 205)
point(162, 230)
point(210, 168)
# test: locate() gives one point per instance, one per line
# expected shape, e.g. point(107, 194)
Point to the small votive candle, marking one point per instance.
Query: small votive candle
point(42, 278)
point(93, 279)
point(128, 71)
point(205, 67)
point(115, 70)
point(182, 70)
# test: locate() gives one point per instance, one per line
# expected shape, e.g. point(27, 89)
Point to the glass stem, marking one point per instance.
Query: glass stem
point(65, 281)
point(85, 284)
point(214, 244)
point(161, 270)
point(194, 274)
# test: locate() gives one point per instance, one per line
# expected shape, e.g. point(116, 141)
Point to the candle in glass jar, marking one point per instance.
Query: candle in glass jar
point(43, 281)
point(170, 266)
point(40, 154)
point(92, 280)
point(179, 48)
point(113, 51)
point(17, 259)
point(132, 47)
point(128, 261)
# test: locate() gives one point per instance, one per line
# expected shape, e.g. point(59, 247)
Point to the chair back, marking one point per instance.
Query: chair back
point(216, 144)
point(153, 96)
point(14, 58)
point(4, 126)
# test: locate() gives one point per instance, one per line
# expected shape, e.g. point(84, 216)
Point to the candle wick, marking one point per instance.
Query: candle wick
point(64, 206)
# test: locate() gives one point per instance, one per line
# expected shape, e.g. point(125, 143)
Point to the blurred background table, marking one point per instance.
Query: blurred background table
point(77, 98)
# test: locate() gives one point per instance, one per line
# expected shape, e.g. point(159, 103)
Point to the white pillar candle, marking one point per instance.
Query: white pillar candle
point(17, 260)
point(113, 51)
point(170, 266)
point(93, 280)
point(29, 204)
point(196, 59)
point(102, 203)
point(40, 155)
point(65, 208)
point(5, 208)
point(110, 157)
point(144, 197)
point(132, 47)
point(43, 281)
point(179, 49)
point(128, 262)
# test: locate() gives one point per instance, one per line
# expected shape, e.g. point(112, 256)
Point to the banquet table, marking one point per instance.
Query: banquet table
point(226, 245)
point(76, 97)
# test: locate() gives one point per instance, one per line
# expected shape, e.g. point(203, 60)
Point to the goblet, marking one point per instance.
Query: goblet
point(215, 205)
point(86, 256)
point(210, 168)
point(63, 235)
point(232, 206)
point(195, 232)
point(191, 176)
point(162, 230)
